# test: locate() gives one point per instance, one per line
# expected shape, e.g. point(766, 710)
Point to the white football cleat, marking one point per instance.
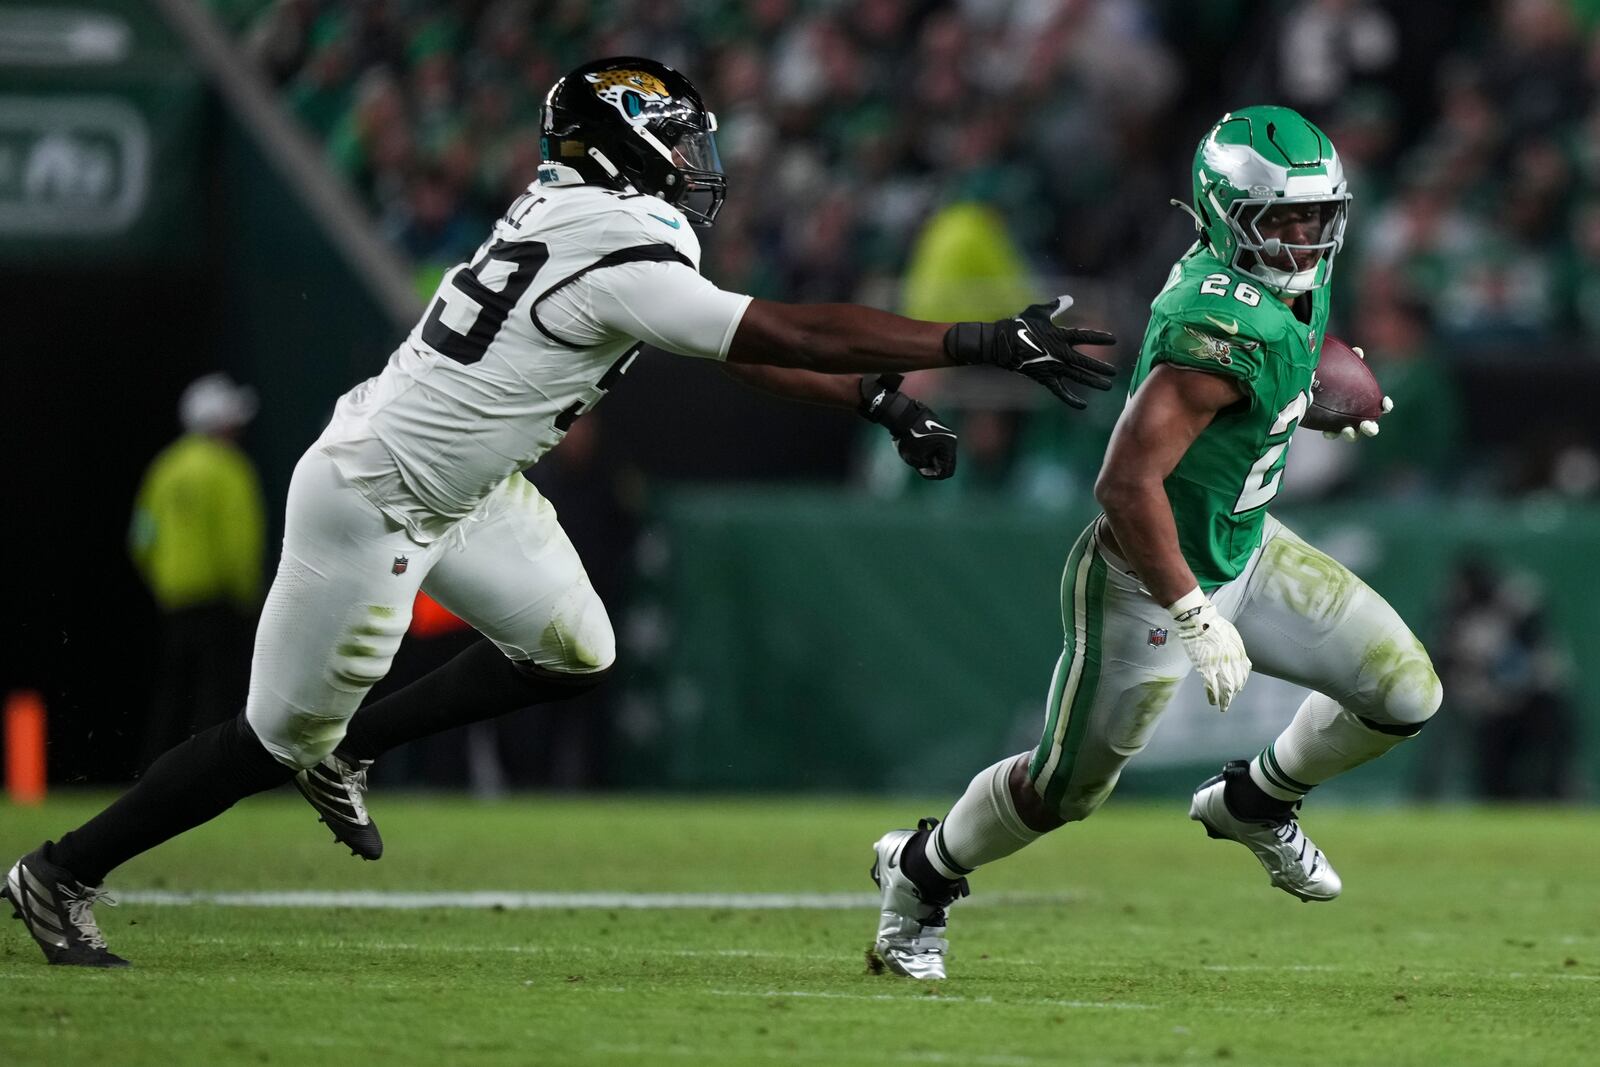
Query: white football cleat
point(1296, 865)
point(911, 939)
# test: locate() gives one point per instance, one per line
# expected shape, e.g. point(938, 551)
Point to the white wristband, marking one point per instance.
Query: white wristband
point(1187, 604)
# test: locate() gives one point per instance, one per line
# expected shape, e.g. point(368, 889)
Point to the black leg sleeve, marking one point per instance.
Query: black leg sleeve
point(192, 783)
point(480, 683)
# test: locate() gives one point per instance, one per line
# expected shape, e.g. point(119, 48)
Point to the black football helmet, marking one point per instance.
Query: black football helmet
point(637, 125)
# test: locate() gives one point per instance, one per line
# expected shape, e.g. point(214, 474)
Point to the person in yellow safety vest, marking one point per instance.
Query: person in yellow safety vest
point(963, 265)
point(196, 537)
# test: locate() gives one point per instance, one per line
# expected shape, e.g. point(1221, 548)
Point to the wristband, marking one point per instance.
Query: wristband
point(969, 342)
point(1188, 605)
point(883, 403)
point(876, 390)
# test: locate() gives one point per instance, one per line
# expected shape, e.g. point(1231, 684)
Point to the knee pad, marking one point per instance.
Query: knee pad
point(1404, 686)
point(299, 722)
point(298, 738)
point(367, 648)
point(1083, 800)
point(578, 639)
point(575, 681)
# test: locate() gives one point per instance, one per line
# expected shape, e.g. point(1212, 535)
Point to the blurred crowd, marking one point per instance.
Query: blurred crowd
point(949, 156)
point(1512, 730)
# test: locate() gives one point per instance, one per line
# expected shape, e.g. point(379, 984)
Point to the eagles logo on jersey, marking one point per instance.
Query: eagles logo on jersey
point(1205, 346)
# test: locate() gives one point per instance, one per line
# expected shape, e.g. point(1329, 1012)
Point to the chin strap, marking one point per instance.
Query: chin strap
point(611, 169)
point(1199, 223)
point(1287, 281)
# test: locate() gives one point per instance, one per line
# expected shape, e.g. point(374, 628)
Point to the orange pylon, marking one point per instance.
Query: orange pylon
point(25, 737)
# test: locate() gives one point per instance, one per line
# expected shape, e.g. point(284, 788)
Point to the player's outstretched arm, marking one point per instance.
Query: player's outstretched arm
point(845, 338)
point(926, 444)
point(669, 305)
point(1161, 421)
point(792, 383)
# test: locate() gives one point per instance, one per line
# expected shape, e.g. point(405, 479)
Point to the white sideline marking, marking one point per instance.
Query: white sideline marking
point(514, 901)
point(1115, 1005)
point(1414, 972)
point(1276, 967)
point(510, 901)
point(703, 1055)
point(529, 950)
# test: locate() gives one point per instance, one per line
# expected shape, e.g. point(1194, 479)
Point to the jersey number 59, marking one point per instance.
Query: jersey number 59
point(492, 284)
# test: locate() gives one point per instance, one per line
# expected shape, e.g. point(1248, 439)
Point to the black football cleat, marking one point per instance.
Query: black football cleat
point(337, 788)
point(58, 911)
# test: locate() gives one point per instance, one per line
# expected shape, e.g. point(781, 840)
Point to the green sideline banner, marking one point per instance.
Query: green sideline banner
point(115, 153)
point(807, 640)
point(102, 130)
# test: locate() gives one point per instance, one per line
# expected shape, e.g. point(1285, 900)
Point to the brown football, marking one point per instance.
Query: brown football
point(1344, 390)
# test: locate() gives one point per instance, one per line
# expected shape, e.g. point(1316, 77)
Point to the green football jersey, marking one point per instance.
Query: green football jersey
point(1213, 318)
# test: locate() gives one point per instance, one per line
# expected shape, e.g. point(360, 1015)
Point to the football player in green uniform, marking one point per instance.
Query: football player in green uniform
point(1186, 547)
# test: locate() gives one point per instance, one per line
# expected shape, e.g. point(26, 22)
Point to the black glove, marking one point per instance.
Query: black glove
point(1031, 344)
point(924, 443)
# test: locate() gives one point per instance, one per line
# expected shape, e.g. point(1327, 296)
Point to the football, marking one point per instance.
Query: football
point(1344, 390)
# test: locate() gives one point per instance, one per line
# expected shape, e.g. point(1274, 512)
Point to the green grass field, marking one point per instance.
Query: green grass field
point(1463, 938)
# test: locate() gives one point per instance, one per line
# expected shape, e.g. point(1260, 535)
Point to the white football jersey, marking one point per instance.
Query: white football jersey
point(522, 340)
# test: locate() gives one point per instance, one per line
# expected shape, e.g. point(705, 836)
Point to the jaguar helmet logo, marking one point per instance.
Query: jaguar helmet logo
point(629, 91)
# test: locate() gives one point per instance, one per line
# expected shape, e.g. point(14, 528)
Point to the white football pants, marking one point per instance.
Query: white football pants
point(341, 601)
point(1304, 618)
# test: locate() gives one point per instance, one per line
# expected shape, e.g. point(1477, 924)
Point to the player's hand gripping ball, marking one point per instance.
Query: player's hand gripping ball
point(1346, 399)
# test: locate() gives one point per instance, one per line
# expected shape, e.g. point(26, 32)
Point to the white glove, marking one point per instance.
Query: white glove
point(1214, 647)
point(1368, 427)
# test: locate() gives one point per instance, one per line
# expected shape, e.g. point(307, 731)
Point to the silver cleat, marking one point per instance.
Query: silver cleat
point(911, 939)
point(1296, 865)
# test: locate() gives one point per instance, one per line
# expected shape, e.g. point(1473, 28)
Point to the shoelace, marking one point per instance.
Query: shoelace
point(80, 912)
point(356, 784)
point(350, 779)
point(1289, 833)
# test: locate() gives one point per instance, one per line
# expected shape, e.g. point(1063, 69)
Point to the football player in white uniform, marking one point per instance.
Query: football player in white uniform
point(416, 483)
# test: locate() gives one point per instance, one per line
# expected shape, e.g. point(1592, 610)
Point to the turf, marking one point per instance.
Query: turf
point(1464, 937)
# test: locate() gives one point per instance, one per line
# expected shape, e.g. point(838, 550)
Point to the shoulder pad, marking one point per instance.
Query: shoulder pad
point(1212, 299)
point(641, 219)
point(599, 221)
point(1212, 330)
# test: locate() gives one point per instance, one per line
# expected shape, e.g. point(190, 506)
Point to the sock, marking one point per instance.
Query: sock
point(480, 683)
point(1246, 800)
point(982, 827)
point(1323, 740)
point(190, 784)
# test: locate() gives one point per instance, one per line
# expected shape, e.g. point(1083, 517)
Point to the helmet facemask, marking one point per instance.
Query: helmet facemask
point(698, 186)
point(1284, 266)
